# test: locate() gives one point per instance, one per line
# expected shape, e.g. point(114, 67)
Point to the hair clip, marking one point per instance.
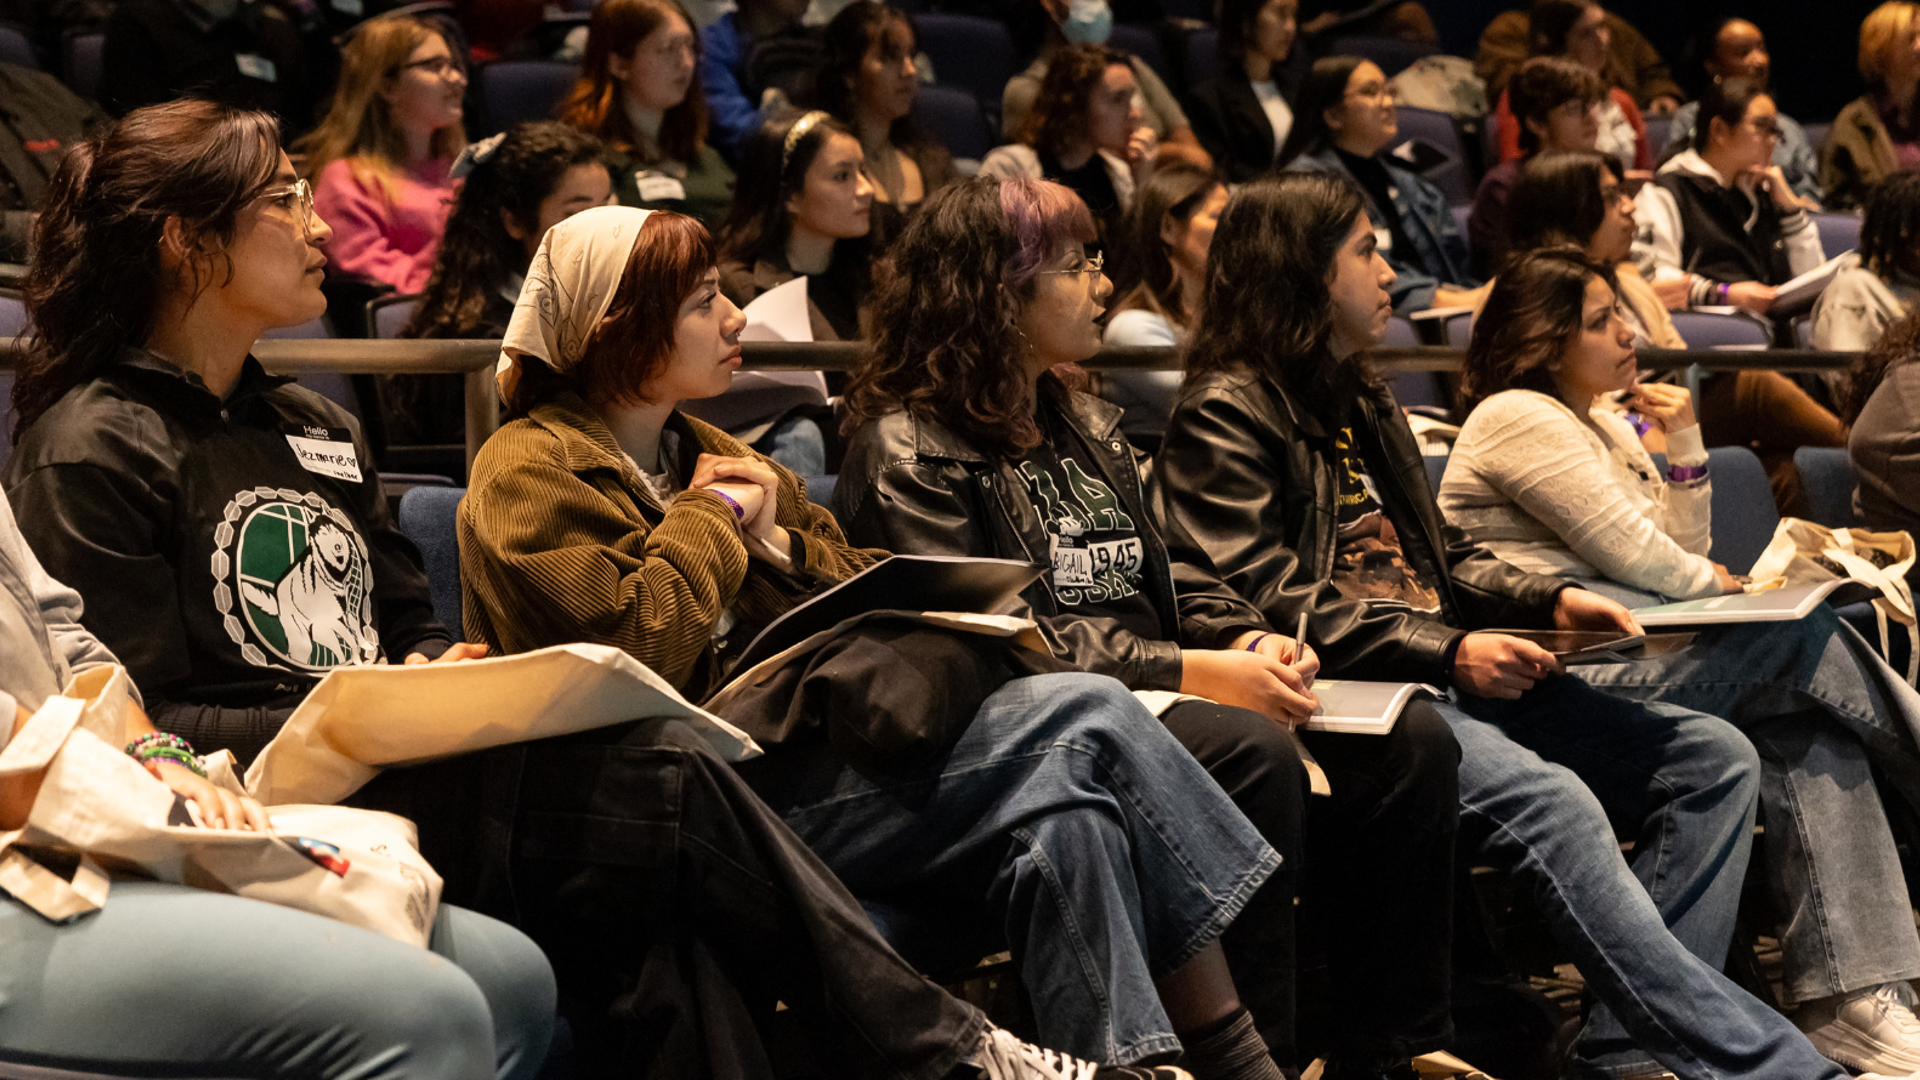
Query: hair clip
point(478, 153)
point(797, 132)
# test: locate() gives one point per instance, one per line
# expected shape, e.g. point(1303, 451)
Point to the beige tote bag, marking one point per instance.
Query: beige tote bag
point(1805, 553)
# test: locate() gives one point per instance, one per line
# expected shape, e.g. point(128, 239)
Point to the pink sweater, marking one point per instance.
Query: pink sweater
point(387, 240)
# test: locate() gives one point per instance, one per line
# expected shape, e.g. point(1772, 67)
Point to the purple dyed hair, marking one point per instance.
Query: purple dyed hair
point(1042, 219)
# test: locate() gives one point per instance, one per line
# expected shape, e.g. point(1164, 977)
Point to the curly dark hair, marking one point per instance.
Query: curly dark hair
point(1267, 305)
point(945, 345)
point(1890, 224)
point(1899, 345)
point(759, 223)
point(477, 254)
point(1543, 84)
point(1059, 113)
point(96, 281)
point(1531, 317)
point(616, 28)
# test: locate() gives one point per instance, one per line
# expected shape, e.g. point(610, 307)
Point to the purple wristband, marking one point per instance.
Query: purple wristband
point(1725, 289)
point(739, 512)
point(1686, 474)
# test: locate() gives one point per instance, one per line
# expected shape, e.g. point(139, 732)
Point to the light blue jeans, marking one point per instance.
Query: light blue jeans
point(1822, 708)
point(165, 978)
point(1105, 851)
point(1548, 785)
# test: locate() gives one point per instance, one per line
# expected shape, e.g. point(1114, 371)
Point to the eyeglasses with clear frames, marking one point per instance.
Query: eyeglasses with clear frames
point(1090, 266)
point(295, 198)
point(439, 66)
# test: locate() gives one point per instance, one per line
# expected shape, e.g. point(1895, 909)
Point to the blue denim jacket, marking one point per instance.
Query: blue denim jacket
point(1439, 254)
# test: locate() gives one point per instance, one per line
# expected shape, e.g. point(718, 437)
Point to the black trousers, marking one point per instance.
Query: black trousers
point(676, 909)
point(1370, 869)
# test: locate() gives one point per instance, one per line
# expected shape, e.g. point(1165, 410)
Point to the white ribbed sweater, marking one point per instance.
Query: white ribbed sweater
point(1553, 495)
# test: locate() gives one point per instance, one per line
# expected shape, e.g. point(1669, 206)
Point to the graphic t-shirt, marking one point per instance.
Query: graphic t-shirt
point(1094, 546)
point(1368, 562)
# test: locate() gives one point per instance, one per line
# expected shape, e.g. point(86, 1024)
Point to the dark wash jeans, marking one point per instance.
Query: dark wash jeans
point(1371, 867)
point(676, 908)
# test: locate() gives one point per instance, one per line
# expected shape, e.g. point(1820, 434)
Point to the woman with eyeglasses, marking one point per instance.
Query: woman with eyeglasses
point(1578, 30)
point(971, 437)
point(637, 92)
point(380, 161)
point(1721, 215)
point(231, 542)
point(1347, 117)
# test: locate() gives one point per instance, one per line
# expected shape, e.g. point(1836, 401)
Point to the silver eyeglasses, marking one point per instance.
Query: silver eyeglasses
point(1091, 266)
point(294, 198)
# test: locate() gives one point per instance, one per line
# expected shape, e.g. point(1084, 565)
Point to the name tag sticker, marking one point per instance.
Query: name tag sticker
point(256, 67)
point(1383, 239)
point(349, 7)
point(1071, 565)
point(656, 188)
point(327, 451)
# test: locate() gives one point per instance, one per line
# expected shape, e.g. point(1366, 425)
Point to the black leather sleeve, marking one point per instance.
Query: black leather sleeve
point(1222, 475)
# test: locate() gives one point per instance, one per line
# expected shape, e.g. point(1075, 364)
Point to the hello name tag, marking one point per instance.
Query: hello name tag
point(656, 187)
point(327, 451)
point(1071, 565)
point(256, 67)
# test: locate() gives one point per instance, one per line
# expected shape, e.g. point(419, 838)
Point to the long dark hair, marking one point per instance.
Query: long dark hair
point(96, 282)
point(759, 223)
point(477, 254)
point(1324, 88)
point(945, 346)
point(1899, 345)
point(1267, 305)
point(1143, 277)
point(1890, 224)
point(1060, 110)
point(1549, 22)
point(1531, 317)
point(1557, 200)
point(1727, 101)
point(847, 39)
point(616, 29)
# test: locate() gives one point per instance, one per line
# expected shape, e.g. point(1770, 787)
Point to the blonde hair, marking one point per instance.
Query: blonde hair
point(1884, 29)
point(358, 125)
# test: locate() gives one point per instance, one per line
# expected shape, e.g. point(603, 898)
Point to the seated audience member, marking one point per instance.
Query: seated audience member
point(1555, 205)
point(1548, 479)
point(1740, 52)
point(248, 55)
point(1882, 405)
point(967, 442)
point(637, 94)
point(1081, 23)
point(1555, 102)
point(1407, 21)
point(1085, 132)
point(1721, 215)
point(1876, 285)
point(380, 160)
point(1242, 116)
point(1633, 64)
point(868, 85)
point(1167, 234)
point(1577, 30)
point(514, 187)
point(1878, 133)
point(40, 120)
point(314, 997)
point(602, 513)
point(725, 50)
point(1346, 120)
point(1277, 399)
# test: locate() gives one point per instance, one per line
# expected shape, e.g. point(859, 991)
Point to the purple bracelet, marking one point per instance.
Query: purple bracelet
point(739, 512)
point(1686, 474)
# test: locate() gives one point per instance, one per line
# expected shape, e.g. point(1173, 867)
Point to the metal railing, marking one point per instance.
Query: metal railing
point(475, 359)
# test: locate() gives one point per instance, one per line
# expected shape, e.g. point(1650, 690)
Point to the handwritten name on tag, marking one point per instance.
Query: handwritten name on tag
point(328, 452)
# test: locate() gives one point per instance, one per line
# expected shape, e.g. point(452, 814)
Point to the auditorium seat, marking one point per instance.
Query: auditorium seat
point(16, 49)
point(1659, 129)
point(952, 117)
point(13, 314)
point(1709, 330)
point(968, 52)
point(516, 90)
point(82, 64)
point(1826, 479)
point(1392, 55)
point(1744, 515)
point(1203, 55)
point(1141, 42)
point(1839, 233)
point(427, 517)
point(1436, 130)
point(389, 315)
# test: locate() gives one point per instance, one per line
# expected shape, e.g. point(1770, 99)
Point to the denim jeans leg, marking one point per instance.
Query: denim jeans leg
point(1082, 807)
point(1820, 705)
point(1540, 781)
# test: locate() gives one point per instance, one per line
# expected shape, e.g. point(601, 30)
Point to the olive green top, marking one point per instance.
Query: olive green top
point(703, 191)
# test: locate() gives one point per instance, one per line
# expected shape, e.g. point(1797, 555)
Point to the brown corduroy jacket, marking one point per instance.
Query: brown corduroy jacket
point(561, 541)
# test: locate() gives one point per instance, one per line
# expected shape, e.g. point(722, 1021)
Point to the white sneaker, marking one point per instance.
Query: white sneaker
point(1871, 1030)
point(1003, 1057)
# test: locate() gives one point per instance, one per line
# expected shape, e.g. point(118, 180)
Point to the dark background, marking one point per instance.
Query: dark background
point(1814, 43)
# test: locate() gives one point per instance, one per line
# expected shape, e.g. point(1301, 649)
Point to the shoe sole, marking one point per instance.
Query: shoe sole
point(1857, 1051)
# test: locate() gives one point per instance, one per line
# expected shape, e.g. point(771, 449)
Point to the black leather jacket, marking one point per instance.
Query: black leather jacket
point(910, 485)
point(1248, 472)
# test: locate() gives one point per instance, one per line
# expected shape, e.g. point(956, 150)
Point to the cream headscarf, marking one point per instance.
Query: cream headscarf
point(568, 289)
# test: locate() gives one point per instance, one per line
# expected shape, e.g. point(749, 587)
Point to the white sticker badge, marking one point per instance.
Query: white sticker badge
point(349, 7)
point(327, 451)
point(656, 187)
point(256, 67)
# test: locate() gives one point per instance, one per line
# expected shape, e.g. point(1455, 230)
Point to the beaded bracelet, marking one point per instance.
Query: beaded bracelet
point(165, 746)
point(739, 512)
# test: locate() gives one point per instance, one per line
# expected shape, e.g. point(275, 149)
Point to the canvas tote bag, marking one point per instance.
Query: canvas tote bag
point(100, 813)
point(1805, 553)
